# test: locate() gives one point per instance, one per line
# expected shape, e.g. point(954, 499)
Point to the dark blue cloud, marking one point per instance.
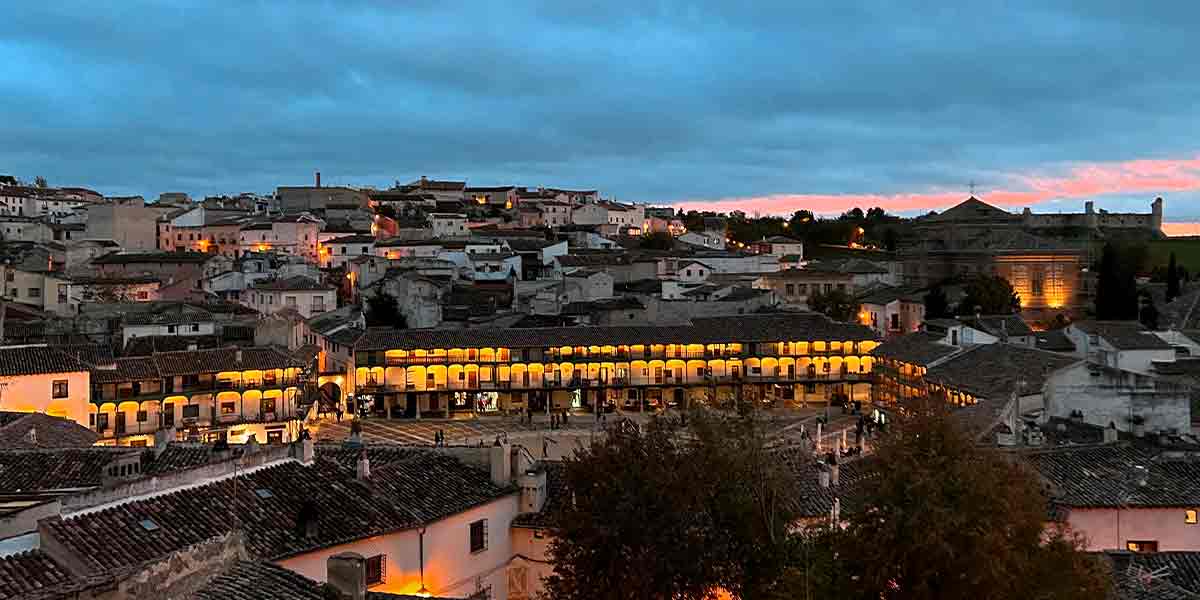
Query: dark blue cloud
point(653, 101)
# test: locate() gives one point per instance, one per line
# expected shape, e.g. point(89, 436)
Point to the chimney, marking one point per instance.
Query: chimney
point(347, 573)
point(500, 460)
point(364, 467)
point(318, 179)
point(304, 449)
point(833, 474)
point(822, 475)
point(237, 356)
point(533, 490)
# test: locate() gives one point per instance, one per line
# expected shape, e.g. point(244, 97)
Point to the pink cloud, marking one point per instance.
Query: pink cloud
point(1079, 181)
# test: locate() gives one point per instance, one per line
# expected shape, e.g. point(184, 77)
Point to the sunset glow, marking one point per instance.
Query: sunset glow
point(1149, 177)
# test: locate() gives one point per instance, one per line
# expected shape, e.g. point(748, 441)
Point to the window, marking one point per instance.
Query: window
point(1142, 545)
point(376, 569)
point(790, 290)
point(60, 388)
point(479, 536)
point(142, 416)
point(290, 301)
point(1189, 517)
point(170, 329)
point(195, 327)
point(35, 293)
point(228, 408)
point(895, 321)
point(1036, 283)
point(191, 411)
point(318, 303)
point(102, 422)
point(143, 295)
point(275, 436)
point(268, 405)
point(62, 293)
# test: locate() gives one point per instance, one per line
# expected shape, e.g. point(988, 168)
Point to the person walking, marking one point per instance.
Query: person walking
point(337, 411)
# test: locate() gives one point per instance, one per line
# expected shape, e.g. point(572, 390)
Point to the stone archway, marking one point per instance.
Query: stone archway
point(331, 397)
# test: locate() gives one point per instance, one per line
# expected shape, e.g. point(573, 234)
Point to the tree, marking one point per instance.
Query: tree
point(990, 295)
point(657, 240)
point(386, 210)
point(854, 214)
point(40, 182)
point(666, 512)
point(944, 518)
point(384, 311)
point(835, 304)
point(1147, 313)
point(1116, 286)
point(1172, 279)
point(937, 306)
point(890, 239)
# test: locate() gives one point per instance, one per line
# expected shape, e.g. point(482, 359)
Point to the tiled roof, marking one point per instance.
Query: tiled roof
point(1054, 340)
point(308, 507)
point(37, 360)
point(358, 238)
point(431, 485)
point(887, 295)
point(593, 260)
point(29, 572)
point(118, 258)
point(742, 328)
point(816, 501)
point(1123, 335)
point(1011, 325)
point(995, 370)
point(261, 580)
point(149, 344)
point(47, 432)
point(222, 359)
point(295, 283)
point(179, 456)
point(556, 495)
point(920, 348)
point(1176, 575)
point(28, 471)
point(138, 368)
point(1107, 476)
point(172, 316)
point(92, 354)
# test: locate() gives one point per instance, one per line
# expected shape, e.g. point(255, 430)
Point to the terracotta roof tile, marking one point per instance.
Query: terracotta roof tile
point(260, 580)
point(30, 572)
point(36, 360)
point(994, 370)
point(222, 359)
point(747, 328)
point(47, 432)
point(1107, 476)
point(919, 348)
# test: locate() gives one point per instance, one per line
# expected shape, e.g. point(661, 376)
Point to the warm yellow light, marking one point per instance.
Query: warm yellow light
point(785, 224)
point(861, 231)
point(481, 199)
point(350, 276)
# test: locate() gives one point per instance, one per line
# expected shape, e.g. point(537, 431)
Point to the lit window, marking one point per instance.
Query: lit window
point(1142, 546)
point(1189, 517)
point(60, 388)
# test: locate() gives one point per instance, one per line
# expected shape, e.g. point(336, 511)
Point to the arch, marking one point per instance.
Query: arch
point(393, 377)
point(818, 347)
point(867, 364)
point(438, 373)
point(253, 377)
point(867, 346)
point(487, 355)
point(251, 402)
point(229, 405)
point(456, 376)
point(853, 364)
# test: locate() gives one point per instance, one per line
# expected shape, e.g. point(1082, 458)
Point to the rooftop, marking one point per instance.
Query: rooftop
point(1120, 474)
point(996, 370)
point(744, 328)
point(262, 580)
point(30, 431)
point(1123, 335)
point(124, 258)
point(296, 283)
point(920, 348)
point(37, 360)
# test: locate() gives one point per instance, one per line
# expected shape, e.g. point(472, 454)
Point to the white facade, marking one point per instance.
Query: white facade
point(161, 329)
point(448, 225)
point(37, 393)
point(1110, 528)
point(706, 239)
point(693, 272)
point(307, 302)
point(1105, 395)
point(1098, 350)
point(451, 569)
point(589, 214)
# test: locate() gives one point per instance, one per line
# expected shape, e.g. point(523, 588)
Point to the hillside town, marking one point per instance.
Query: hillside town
point(371, 393)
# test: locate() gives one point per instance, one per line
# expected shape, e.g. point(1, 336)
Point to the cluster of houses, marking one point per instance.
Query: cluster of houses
point(162, 363)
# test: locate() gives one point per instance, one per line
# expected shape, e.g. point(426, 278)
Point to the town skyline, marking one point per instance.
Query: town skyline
point(694, 107)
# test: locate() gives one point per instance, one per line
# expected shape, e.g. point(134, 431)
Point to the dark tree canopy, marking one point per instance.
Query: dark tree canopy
point(989, 295)
point(1116, 288)
point(835, 304)
point(668, 513)
point(658, 240)
point(946, 519)
point(40, 182)
point(937, 306)
point(384, 311)
point(1172, 278)
point(1147, 313)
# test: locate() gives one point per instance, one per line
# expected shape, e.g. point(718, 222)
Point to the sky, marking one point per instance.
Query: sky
point(765, 107)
